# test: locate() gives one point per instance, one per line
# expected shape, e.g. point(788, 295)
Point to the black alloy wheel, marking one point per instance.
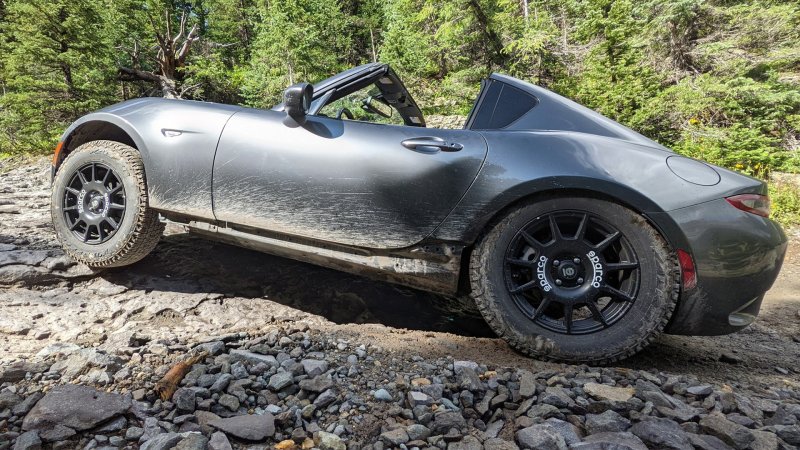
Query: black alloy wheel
point(571, 272)
point(574, 279)
point(100, 206)
point(94, 203)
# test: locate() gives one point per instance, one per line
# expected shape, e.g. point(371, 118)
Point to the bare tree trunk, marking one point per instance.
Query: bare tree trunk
point(290, 67)
point(496, 50)
point(66, 69)
point(525, 10)
point(173, 52)
point(372, 44)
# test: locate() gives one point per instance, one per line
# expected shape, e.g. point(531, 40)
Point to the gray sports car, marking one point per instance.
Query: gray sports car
point(579, 239)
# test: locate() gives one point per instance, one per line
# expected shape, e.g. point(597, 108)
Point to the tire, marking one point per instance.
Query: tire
point(114, 194)
point(512, 272)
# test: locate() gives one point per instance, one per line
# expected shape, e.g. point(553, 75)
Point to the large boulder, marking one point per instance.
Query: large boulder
point(77, 407)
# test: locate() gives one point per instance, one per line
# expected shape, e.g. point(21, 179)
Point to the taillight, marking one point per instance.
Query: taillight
point(688, 273)
point(752, 203)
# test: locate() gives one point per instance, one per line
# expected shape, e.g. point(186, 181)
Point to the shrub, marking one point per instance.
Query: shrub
point(785, 196)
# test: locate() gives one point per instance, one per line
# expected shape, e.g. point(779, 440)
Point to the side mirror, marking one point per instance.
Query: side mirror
point(297, 100)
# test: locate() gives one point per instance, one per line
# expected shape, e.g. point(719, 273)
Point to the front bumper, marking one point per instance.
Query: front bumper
point(737, 257)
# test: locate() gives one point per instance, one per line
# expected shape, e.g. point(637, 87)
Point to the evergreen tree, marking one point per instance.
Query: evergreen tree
point(715, 80)
point(57, 66)
point(296, 40)
point(219, 64)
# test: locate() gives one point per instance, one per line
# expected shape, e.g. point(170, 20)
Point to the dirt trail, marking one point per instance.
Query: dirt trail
point(190, 286)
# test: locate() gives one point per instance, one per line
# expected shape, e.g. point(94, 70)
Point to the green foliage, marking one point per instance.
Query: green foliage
point(55, 68)
point(296, 40)
point(785, 197)
point(717, 80)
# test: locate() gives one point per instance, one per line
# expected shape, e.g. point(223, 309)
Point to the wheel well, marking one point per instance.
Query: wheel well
point(93, 131)
point(463, 282)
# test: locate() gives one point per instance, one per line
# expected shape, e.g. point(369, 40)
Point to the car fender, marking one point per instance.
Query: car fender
point(177, 140)
point(108, 118)
point(523, 164)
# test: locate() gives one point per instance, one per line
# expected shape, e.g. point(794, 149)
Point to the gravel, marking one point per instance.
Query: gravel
point(289, 381)
point(227, 401)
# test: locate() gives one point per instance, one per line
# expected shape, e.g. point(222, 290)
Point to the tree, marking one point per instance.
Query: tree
point(219, 61)
point(57, 66)
point(162, 57)
point(365, 26)
point(446, 47)
point(531, 40)
point(296, 40)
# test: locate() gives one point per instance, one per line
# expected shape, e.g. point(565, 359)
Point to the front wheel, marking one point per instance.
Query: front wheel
point(99, 206)
point(574, 279)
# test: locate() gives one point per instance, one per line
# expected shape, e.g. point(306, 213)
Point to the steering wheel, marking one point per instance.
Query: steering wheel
point(344, 112)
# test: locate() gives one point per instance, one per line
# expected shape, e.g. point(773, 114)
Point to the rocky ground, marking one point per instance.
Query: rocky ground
point(294, 356)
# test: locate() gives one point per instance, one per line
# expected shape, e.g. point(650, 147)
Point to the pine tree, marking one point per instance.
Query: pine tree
point(296, 40)
point(220, 60)
point(57, 66)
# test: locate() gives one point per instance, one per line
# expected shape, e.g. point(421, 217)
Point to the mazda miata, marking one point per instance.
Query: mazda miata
point(578, 239)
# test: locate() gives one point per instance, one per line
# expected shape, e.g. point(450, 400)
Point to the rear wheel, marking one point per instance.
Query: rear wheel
point(99, 206)
point(574, 279)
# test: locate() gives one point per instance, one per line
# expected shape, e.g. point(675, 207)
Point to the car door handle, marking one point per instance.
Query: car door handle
point(426, 144)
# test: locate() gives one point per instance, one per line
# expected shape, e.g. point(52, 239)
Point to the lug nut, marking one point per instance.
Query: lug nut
point(580, 280)
point(556, 262)
point(576, 260)
point(558, 282)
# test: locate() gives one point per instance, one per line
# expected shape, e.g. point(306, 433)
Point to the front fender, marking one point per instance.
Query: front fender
point(105, 118)
point(177, 140)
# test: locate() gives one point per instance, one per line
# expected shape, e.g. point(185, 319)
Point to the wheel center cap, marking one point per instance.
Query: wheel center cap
point(568, 271)
point(96, 203)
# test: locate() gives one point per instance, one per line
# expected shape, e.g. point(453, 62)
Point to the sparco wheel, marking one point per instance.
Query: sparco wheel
point(574, 279)
point(99, 206)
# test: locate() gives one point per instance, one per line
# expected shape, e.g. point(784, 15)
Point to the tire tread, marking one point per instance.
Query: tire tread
point(147, 228)
point(481, 294)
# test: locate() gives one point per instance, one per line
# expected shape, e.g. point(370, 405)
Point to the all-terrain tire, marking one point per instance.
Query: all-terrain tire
point(645, 320)
point(139, 229)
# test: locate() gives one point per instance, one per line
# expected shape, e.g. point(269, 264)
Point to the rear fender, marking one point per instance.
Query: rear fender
point(522, 165)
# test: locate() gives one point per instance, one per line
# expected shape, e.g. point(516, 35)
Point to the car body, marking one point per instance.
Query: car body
point(406, 203)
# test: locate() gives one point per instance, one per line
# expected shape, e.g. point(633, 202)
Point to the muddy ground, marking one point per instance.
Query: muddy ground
point(193, 287)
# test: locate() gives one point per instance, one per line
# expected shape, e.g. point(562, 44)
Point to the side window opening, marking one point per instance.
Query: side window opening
point(499, 106)
point(365, 105)
point(378, 98)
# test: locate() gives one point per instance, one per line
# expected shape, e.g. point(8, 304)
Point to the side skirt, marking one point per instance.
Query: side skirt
point(432, 267)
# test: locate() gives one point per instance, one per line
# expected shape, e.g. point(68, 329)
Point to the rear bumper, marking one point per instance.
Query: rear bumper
point(737, 256)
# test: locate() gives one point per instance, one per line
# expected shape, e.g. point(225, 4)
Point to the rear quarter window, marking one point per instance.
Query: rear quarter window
point(501, 105)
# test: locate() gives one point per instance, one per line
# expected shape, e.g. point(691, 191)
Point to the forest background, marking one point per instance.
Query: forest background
point(717, 80)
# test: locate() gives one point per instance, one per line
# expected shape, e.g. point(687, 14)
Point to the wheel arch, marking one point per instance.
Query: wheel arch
point(94, 127)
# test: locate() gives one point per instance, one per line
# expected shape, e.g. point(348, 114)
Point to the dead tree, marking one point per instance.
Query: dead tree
point(171, 52)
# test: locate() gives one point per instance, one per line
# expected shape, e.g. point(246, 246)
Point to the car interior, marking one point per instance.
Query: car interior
point(379, 97)
point(374, 93)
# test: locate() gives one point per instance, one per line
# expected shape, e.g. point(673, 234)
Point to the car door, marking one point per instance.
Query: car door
point(349, 182)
